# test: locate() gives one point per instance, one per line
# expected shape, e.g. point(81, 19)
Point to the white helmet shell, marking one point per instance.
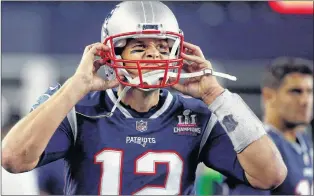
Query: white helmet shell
point(135, 16)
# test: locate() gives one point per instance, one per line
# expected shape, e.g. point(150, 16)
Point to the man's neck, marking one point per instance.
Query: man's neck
point(141, 101)
point(289, 134)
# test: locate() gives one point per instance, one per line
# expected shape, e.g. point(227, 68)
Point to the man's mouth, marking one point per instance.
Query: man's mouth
point(158, 83)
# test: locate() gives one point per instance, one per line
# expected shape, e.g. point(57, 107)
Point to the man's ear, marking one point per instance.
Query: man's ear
point(268, 95)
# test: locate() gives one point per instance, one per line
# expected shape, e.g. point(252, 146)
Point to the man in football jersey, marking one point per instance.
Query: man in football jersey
point(287, 94)
point(141, 139)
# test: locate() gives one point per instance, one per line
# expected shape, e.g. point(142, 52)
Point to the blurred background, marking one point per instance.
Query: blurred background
point(42, 43)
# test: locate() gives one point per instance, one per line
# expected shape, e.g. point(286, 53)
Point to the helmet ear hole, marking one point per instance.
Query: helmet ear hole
point(118, 51)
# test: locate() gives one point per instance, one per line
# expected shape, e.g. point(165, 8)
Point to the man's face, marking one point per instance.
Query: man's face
point(293, 100)
point(145, 49)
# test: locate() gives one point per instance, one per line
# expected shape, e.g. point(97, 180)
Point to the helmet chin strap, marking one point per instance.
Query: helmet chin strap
point(153, 77)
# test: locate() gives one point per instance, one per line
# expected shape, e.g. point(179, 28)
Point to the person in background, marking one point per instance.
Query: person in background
point(287, 95)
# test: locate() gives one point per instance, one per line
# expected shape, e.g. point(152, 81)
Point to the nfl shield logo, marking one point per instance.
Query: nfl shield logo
point(230, 123)
point(141, 126)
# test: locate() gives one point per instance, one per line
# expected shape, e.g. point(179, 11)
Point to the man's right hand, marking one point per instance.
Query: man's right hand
point(86, 74)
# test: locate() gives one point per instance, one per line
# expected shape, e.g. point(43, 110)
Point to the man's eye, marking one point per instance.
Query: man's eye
point(164, 50)
point(138, 50)
point(295, 91)
point(164, 53)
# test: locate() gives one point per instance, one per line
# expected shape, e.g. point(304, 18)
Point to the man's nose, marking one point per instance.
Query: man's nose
point(152, 53)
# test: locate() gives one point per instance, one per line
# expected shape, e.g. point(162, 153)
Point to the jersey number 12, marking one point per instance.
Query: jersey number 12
point(111, 161)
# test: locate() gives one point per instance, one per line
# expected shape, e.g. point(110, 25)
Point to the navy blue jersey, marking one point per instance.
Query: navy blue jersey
point(155, 152)
point(298, 157)
point(51, 178)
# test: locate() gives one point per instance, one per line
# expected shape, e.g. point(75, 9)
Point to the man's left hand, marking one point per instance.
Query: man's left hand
point(205, 87)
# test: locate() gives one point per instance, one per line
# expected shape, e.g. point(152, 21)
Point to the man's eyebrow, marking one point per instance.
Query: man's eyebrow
point(138, 42)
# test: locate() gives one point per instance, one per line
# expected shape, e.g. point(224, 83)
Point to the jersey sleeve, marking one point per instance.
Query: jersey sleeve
point(217, 152)
point(62, 139)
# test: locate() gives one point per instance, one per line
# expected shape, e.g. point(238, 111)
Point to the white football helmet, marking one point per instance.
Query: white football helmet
point(142, 19)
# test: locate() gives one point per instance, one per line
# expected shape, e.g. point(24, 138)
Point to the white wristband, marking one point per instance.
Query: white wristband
point(240, 123)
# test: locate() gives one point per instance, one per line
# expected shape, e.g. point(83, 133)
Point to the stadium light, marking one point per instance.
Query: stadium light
point(292, 7)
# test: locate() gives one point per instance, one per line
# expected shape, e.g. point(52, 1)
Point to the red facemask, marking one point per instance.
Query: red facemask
point(173, 64)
